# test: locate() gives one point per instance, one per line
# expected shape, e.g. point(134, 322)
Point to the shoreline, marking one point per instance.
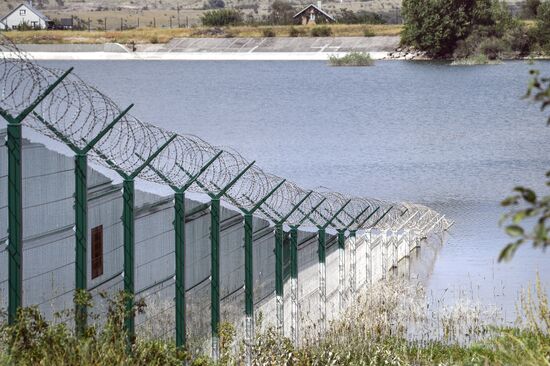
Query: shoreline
point(192, 56)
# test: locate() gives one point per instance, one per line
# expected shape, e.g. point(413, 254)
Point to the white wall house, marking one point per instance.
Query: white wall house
point(2, 26)
point(22, 14)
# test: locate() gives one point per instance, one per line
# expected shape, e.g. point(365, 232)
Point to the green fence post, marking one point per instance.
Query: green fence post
point(341, 267)
point(81, 209)
point(342, 259)
point(215, 254)
point(215, 275)
point(15, 221)
point(249, 272)
point(321, 251)
point(81, 234)
point(215, 260)
point(248, 287)
point(353, 263)
point(15, 199)
point(294, 284)
point(294, 328)
point(368, 254)
point(179, 232)
point(279, 286)
point(128, 227)
point(128, 193)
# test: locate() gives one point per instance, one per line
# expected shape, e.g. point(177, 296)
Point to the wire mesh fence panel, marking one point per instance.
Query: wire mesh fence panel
point(332, 280)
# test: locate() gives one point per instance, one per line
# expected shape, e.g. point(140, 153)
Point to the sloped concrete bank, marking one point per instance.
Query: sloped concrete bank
point(254, 49)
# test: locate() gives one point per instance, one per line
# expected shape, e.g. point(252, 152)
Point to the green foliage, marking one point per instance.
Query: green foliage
point(34, 341)
point(296, 32)
point(321, 31)
point(221, 17)
point(368, 33)
point(529, 9)
point(526, 204)
point(457, 27)
point(371, 332)
point(268, 32)
point(493, 48)
point(281, 12)
point(352, 59)
point(361, 17)
point(435, 26)
point(542, 30)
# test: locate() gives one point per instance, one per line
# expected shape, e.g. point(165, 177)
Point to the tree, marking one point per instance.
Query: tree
point(525, 203)
point(435, 26)
point(281, 12)
point(529, 9)
point(361, 17)
point(543, 23)
point(221, 17)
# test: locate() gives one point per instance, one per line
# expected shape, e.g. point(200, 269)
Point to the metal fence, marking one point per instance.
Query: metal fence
point(61, 106)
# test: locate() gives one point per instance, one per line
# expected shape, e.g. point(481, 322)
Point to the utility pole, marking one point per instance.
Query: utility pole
point(178, 9)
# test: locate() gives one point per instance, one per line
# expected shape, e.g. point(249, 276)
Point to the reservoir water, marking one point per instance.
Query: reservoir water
point(457, 139)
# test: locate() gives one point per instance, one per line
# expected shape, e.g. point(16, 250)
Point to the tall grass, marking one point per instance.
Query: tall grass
point(392, 323)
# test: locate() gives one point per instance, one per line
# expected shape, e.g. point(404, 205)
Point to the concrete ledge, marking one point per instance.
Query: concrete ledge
point(195, 56)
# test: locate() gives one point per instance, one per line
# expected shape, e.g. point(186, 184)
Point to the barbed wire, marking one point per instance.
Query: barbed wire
point(76, 112)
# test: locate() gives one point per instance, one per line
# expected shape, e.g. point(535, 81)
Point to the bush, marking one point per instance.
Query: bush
point(543, 24)
point(437, 26)
point(268, 32)
point(352, 59)
point(280, 12)
point(221, 17)
point(361, 17)
point(368, 33)
point(296, 32)
point(493, 48)
point(321, 31)
point(519, 41)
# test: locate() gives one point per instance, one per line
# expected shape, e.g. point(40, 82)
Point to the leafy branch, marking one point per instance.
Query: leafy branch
point(525, 203)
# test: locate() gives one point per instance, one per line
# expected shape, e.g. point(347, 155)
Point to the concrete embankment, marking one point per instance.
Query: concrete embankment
point(254, 49)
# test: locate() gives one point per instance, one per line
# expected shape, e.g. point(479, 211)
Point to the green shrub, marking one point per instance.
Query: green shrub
point(368, 33)
point(493, 48)
point(520, 41)
point(321, 31)
point(221, 17)
point(352, 59)
point(296, 32)
point(543, 24)
point(442, 27)
point(360, 17)
point(268, 32)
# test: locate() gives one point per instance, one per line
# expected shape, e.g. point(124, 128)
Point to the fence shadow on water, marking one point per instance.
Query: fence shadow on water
point(255, 242)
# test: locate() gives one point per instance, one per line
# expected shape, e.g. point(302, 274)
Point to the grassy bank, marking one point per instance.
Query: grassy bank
point(157, 35)
point(395, 323)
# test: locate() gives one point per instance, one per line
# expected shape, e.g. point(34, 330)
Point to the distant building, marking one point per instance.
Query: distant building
point(313, 14)
point(25, 14)
point(2, 26)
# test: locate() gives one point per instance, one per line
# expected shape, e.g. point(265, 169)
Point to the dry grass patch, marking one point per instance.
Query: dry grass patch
point(158, 35)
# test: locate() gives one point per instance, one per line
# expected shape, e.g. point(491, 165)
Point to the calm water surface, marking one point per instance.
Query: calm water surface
point(455, 138)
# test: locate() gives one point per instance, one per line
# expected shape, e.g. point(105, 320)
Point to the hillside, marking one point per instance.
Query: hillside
point(164, 13)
